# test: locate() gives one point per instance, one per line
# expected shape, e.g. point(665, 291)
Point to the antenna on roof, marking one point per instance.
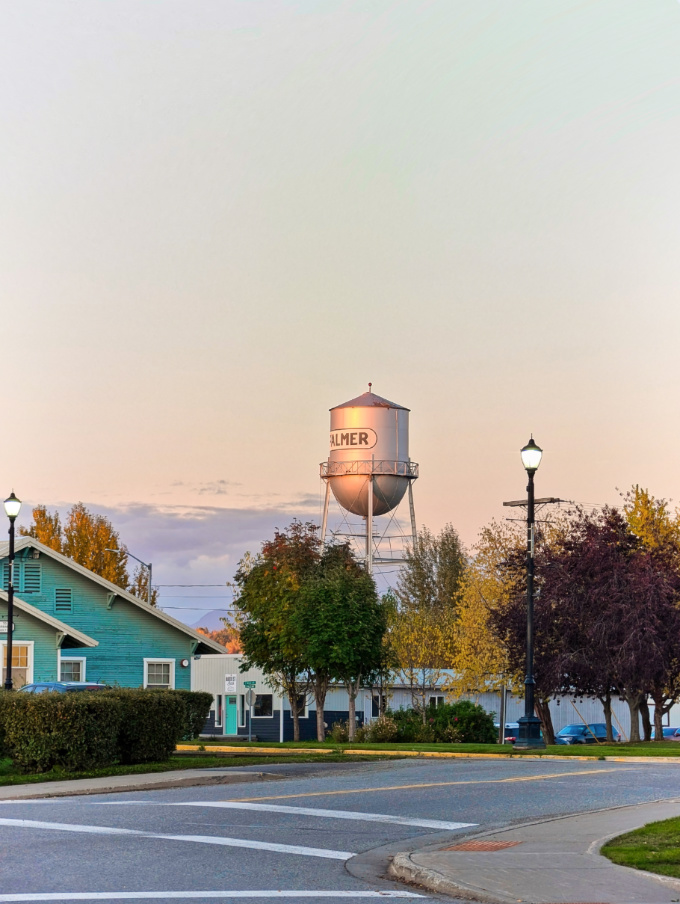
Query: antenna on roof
point(369, 386)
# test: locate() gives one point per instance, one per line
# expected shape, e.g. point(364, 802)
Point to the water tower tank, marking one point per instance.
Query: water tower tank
point(369, 441)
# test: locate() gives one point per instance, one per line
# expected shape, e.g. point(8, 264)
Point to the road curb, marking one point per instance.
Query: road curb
point(32, 792)
point(426, 754)
point(403, 868)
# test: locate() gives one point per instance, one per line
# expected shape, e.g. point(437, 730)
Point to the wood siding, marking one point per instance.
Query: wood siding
point(126, 634)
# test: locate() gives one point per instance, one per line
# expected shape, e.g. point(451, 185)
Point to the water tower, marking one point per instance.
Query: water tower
point(368, 469)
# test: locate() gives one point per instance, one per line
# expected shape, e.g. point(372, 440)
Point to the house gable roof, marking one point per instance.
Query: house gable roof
point(206, 645)
point(81, 640)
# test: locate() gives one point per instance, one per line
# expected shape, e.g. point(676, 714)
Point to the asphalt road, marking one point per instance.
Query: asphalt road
point(321, 832)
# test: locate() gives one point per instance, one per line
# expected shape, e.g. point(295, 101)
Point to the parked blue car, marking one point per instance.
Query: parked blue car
point(585, 734)
point(63, 687)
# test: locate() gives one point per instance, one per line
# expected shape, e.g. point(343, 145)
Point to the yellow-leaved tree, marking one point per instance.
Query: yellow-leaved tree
point(91, 541)
point(422, 630)
point(481, 658)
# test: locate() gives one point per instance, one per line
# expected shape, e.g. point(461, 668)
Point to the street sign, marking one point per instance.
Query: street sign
point(230, 684)
point(3, 630)
point(249, 683)
point(250, 697)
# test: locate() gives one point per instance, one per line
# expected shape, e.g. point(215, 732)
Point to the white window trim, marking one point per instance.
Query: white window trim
point(155, 660)
point(81, 659)
point(263, 717)
point(20, 643)
point(288, 709)
point(241, 707)
point(219, 719)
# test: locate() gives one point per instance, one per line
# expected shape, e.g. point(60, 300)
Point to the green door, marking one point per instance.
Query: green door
point(230, 727)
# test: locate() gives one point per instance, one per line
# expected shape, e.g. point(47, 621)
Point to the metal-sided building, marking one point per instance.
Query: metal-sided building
point(272, 720)
point(72, 625)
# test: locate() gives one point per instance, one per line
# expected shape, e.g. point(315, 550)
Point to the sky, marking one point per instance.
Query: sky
point(218, 219)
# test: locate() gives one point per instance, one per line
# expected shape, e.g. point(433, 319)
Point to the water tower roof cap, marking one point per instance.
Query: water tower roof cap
point(369, 400)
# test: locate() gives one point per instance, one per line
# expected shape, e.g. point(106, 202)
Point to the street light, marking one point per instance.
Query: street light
point(145, 564)
point(529, 735)
point(12, 509)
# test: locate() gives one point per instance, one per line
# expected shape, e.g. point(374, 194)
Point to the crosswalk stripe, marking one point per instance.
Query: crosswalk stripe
point(300, 811)
point(198, 839)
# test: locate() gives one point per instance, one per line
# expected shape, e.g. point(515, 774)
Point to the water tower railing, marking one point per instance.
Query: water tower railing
point(408, 469)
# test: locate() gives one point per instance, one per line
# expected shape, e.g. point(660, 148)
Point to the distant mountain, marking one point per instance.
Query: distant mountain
point(211, 620)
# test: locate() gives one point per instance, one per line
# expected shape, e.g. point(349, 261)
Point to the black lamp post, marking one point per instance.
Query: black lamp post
point(12, 509)
point(529, 735)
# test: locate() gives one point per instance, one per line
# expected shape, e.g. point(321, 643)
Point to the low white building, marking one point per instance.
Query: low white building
point(220, 675)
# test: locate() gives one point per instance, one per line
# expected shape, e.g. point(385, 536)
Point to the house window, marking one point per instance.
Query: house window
point(159, 673)
point(378, 705)
point(32, 577)
point(241, 710)
point(21, 664)
point(264, 706)
point(437, 700)
point(72, 670)
point(301, 706)
point(63, 600)
point(218, 710)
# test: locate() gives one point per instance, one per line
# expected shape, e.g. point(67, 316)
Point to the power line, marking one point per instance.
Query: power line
point(191, 596)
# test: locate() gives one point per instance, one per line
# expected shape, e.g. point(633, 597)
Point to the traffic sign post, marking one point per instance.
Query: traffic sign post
point(250, 700)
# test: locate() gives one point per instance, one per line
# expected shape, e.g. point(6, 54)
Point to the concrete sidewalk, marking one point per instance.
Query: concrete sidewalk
point(555, 861)
point(148, 781)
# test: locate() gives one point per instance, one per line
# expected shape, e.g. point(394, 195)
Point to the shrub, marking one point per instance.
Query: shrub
point(5, 697)
point(75, 731)
point(197, 706)
point(153, 722)
point(411, 729)
point(85, 731)
point(383, 730)
point(463, 722)
point(339, 732)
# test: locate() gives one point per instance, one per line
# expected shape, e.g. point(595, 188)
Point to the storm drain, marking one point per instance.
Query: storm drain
point(482, 846)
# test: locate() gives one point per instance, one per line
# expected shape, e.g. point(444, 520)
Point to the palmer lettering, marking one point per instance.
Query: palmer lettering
point(341, 439)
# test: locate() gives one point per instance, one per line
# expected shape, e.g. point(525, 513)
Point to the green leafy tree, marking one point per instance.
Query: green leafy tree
point(268, 588)
point(343, 623)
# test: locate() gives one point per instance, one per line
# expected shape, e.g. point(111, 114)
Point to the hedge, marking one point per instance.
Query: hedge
point(74, 731)
point(80, 731)
point(462, 722)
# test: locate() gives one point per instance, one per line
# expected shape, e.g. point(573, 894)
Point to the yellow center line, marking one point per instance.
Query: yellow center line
point(485, 781)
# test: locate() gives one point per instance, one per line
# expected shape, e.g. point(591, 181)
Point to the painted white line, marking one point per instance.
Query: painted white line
point(303, 811)
point(187, 895)
point(197, 839)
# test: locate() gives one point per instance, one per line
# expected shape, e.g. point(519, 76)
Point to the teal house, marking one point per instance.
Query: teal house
point(72, 625)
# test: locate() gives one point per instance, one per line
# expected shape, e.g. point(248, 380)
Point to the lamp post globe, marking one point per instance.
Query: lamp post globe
point(529, 734)
point(12, 509)
point(12, 506)
point(531, 456)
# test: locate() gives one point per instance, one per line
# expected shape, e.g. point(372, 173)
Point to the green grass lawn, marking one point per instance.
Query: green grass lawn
point(655, 848)
point(9, 775)
point(650, 748)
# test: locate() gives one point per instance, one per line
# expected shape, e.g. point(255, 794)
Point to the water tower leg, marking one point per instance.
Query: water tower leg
point(324, 521)
point(414, 529)
point(369, 528)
